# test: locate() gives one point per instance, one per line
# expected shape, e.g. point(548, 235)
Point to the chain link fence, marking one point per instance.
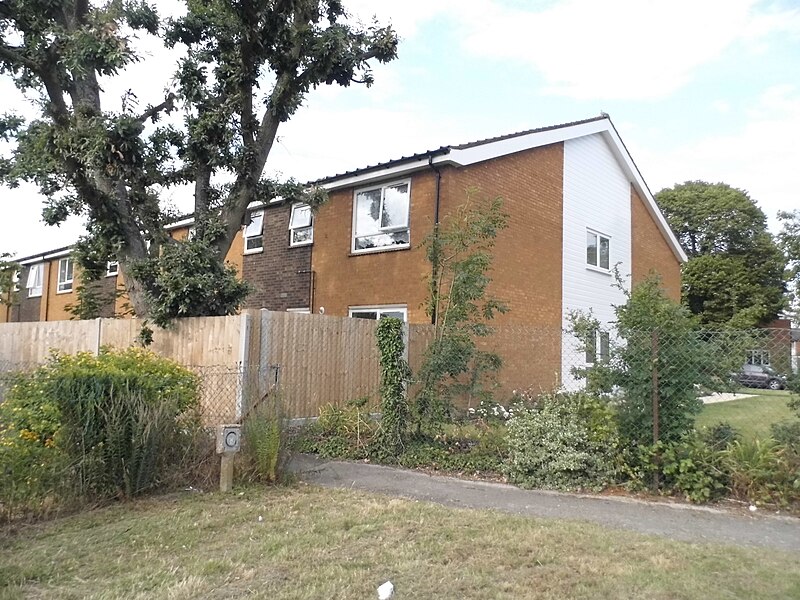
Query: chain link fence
point(660, 383)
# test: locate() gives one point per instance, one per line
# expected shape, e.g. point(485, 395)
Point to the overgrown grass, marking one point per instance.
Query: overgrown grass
point(316, 543)
point(752, 417)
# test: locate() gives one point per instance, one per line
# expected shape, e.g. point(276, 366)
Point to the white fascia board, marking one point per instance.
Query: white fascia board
point(45, 257)
point(625, 160)
point(387, 173)
point(179, 224)
point(535, 139)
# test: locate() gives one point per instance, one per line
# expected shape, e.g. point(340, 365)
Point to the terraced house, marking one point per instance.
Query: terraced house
point(577, 208)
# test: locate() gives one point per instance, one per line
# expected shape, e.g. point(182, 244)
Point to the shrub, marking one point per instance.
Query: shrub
point(761, 472)
point(693, 469)
point(263, 443)
point(721, 435)
point(118, 419)
point(567, 441)
point(395, 374)
point(340, 432)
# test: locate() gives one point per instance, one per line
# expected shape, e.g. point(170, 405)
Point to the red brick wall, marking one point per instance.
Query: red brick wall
point(280, 274)
point(650, 251)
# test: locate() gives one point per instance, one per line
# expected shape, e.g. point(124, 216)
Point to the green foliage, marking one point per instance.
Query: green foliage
point(566, 441)
point(734, 276)
point(263, 442)
point(471, 449)
point(119, 418)
point(246, 68)
point(657, 334)
point(190, 280)
point(460, 252)
point(8, 270)
point(340, 432)
point(789, 243)
point(395, 375)
point(761, 472)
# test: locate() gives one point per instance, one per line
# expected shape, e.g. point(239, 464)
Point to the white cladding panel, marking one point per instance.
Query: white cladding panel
point(597, 196)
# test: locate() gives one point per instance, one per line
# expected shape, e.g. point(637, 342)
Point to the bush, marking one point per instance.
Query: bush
point(693, 469)
point(762, 472)
point(340, 432)
point(118, 420)
point(567, 441)
point(263, 443)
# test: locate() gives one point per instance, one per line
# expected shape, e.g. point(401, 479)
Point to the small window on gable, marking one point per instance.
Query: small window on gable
point(380, 218)
point(35, 281)
point(65, 272)
point(598, 347)
point(598, 250)
point(301, 227)
point(112, 268)
point(379, 312)
point(254, 233)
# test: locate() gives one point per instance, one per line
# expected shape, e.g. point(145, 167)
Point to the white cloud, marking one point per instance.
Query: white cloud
point(618, 48)
point(761, 156)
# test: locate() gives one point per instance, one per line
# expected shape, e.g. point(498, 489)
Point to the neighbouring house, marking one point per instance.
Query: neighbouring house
point(577, 205)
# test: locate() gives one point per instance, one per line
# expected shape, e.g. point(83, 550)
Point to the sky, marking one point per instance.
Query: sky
point(698, 90)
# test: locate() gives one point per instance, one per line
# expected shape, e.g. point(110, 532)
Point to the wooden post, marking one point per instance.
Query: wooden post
point(226, 472)
point(656, 433)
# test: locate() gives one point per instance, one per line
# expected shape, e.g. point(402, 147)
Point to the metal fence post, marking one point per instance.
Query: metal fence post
point(655, 394)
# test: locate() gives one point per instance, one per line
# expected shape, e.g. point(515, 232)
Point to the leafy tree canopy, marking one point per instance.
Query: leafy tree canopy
point(246, 68)
point(8, 271)
point(789, 241)
point(734, 276)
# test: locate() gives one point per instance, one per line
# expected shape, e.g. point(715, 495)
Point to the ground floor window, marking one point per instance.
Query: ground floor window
point(379, 312)
point(758, 357)
point(597, 348)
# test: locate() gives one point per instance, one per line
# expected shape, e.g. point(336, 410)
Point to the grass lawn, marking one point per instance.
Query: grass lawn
point(317, 544)
point(752, 417)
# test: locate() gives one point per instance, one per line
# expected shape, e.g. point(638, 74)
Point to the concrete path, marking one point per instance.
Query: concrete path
point(724, 397)
point(677, 521)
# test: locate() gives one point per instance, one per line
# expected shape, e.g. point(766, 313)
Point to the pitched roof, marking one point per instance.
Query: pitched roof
point(444, 150)
point(486, 149)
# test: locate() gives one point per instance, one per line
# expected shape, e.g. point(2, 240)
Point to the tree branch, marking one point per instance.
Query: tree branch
point(12, 55)
point(167, 105)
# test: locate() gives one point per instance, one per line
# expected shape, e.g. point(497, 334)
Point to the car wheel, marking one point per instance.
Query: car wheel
point(775, 384)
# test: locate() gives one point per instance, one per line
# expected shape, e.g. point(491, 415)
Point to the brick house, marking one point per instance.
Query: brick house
point(577, 207)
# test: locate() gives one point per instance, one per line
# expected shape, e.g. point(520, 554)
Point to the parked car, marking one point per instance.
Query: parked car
point(760, 376)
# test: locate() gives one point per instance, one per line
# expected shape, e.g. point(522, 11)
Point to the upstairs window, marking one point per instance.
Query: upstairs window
point(598, 250)
point(65, 269)
point(301, 228)
point(112, 268)
point(15, 281)
point(35, 280)
point(380, 217)
point(254, 233)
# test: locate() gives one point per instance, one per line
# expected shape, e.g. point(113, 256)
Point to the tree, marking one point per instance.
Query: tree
point(460, 253)
point(9, 270)
point(734, 276)
point(789, 242)
point(247, 68)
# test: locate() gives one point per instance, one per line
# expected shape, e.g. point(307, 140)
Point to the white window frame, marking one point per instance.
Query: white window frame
point(259, 212)
point(35, 291)
point(759, 357)
point(61, 286)
point(15, 281)
point(109, 265)
point(387, 230)
point(601, 341)
point(299, 311)
point(379, 309)
point(598, 236)
point(294, 230)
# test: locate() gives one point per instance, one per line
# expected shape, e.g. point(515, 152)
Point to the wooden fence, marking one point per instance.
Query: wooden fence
point(308, 361)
